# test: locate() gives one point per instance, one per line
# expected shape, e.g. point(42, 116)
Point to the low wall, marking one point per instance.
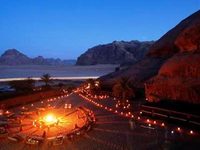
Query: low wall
point(22, 100)
point(187, 119)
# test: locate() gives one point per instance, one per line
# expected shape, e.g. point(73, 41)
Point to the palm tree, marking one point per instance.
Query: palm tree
point(46, 78)
point(123, 89)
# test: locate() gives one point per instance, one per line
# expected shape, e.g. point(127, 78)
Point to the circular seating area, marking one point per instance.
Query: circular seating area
point(47, 124)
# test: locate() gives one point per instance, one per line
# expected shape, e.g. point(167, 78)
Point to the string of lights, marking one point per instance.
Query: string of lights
point(138, 117)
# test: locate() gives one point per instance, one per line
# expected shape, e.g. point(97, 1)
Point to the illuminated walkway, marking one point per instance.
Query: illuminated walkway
point(112, 132)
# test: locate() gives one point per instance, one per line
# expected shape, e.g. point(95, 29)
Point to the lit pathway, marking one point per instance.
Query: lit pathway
point(112, 132)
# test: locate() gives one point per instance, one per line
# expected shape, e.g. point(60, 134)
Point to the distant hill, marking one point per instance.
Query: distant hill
point(14, 57)
point(117, 52)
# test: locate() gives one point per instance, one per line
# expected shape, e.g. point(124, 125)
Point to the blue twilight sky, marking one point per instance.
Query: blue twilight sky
point(67, 28)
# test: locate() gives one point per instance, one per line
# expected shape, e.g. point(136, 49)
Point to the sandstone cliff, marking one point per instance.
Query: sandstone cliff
point(179, 78)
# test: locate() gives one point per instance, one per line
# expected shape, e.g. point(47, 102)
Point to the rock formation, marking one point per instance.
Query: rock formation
point(118, 52)
point(171, 68)
point(178, 78)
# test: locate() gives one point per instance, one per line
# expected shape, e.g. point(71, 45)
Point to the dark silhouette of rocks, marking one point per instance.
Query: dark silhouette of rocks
point(118, 52)
point(171, 69)
point(14, 57)
point(137, 73)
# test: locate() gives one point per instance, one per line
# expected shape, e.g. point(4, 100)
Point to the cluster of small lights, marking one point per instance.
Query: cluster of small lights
point(121, 113)
point(56, 98)
point(68, 106)
point(162, 124)
point(125, 106)
point(100, 97)
point(149, 122)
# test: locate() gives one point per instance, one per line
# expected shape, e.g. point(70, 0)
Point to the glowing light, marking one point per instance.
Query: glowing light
point(172, 132)
point(154, 122)
point(179, 129)
point(191, 132)
point(50, 119)
point(162, 124)
point(148, 120)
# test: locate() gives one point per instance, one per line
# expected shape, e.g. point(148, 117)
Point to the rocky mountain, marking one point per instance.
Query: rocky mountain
point(182, 38)
point(171, 69)
point(118, 52)
point(14, 57)
point(179, 76)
